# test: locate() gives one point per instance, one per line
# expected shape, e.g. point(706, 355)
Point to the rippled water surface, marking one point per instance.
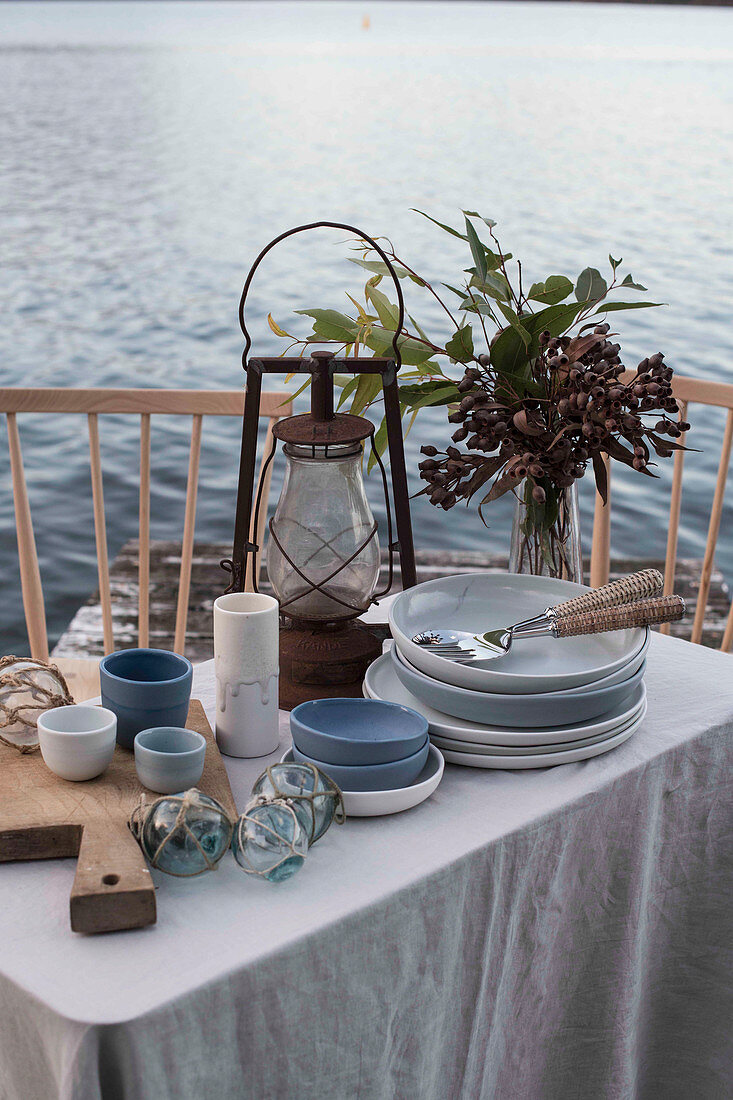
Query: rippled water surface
point(149, 151)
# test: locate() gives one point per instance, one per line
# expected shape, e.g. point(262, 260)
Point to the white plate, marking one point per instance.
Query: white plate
point(378, 803)
point(444, 743)
point(542, 759)
point(381, 682)
point(486, 601)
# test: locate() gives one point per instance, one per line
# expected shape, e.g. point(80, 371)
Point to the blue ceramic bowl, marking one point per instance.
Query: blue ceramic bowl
point(357, 731)
point(371, 777)
point(145, 688)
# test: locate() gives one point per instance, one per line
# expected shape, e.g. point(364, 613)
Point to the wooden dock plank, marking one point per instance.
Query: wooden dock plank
point(83, 636)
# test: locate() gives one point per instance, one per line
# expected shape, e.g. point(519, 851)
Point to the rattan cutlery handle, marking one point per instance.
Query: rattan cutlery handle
point(647, 582)
point(659, 609)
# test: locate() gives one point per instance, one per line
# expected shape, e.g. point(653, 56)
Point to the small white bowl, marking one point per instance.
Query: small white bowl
point(77, 742)
point(169, 759)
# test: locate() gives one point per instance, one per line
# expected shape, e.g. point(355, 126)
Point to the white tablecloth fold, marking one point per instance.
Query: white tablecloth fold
point(562, 934)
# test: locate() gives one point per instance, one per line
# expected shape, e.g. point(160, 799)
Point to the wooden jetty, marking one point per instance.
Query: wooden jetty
point(83, 636)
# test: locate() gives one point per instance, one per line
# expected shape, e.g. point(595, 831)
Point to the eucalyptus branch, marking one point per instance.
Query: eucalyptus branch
point(393, 256)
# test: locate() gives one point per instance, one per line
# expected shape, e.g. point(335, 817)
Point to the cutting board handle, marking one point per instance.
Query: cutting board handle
point(113, 888)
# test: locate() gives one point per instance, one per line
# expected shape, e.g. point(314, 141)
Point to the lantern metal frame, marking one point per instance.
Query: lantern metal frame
point(322, 367)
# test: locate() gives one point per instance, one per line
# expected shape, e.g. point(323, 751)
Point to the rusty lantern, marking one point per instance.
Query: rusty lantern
point(323, 556)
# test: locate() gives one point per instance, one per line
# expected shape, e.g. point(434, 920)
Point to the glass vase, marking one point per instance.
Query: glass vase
point(546, 536)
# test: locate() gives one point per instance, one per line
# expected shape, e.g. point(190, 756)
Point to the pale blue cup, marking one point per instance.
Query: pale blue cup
point(169, 760)
point(145, 688)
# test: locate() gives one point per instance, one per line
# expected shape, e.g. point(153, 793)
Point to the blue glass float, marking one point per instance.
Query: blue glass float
point(270, 841)
point(315, 798)
point(183, 834)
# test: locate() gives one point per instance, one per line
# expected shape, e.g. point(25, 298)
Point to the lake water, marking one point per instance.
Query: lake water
point(150, 150)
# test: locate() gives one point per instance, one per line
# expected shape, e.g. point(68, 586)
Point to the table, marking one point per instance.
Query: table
point(559, 933)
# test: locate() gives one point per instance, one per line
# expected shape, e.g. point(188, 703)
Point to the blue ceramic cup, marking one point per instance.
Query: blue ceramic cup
point(145, 688)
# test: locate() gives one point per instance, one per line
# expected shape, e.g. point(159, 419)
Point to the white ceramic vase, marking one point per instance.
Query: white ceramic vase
point(246, 656)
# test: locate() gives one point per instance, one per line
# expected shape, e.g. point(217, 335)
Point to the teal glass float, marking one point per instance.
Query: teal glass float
point(269, 840)
point(183, 834)
point(315, 798)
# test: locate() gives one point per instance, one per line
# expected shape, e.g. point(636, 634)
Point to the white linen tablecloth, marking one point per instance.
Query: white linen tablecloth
point(559, 933)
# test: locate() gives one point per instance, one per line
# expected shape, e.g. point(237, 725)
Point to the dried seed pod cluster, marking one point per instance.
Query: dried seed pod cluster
point(574, 409)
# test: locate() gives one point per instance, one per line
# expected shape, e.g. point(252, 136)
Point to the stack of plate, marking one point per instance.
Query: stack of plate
point(549, 701)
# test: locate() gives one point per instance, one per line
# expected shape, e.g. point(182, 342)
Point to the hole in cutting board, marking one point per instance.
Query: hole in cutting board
point(110, 880)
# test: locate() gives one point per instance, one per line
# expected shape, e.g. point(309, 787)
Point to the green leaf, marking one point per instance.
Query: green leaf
point(460, 345)
point(332, 325)
point(477, 250)
point(477, 305)
point(447, 228)
point(299, 390)
point(455, 290)
point(347, 391)
point(473, 214)
point(380, 268)
point(510, 357)
point(591, 286)
point(387, 312)
point(276, 328)
point(442, 394)
point(416, 326)
point(367, 388)
point(554, 319)
point(379, 445)
point(555, 288)
point(431, 369)
point(628, 281)
point(412, 351)
point(494, 260)
point(516, 324)
point(492, 284)
point(614, 263)
point(411, 393)
point(611, 307)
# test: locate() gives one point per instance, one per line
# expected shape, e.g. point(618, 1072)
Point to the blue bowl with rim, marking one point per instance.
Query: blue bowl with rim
point(356, 732)
point(145, 688)
point(390, 776)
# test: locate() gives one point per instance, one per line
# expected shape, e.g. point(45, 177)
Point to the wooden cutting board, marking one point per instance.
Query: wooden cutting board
point(44, 817)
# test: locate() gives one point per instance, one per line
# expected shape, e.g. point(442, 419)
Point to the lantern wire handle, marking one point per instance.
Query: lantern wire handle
point(397, 357)
point(324, 225)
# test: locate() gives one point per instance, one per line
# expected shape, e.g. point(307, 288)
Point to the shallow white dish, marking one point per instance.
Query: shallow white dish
point(485, 601)
point(542, 759)
point(569, 707)
point(379, 803)
point(381, 682)
point(445, 743)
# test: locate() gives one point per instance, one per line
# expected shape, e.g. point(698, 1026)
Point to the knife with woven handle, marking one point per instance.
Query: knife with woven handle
point(637, 586)
point(657, 609)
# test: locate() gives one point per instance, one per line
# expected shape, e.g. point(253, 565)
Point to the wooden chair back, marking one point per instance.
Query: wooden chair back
point(687, 391)
point(145, 404)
